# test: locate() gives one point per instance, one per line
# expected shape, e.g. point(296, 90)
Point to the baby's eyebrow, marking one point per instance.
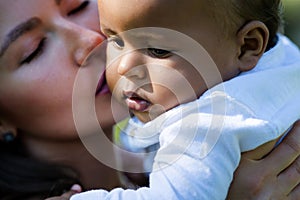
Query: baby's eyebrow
point(18, 31)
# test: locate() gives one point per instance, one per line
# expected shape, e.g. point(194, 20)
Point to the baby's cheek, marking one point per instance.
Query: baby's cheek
point(168, 99)
point(111, 78)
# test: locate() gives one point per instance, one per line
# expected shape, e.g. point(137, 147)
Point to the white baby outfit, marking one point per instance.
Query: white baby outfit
point(201, 141)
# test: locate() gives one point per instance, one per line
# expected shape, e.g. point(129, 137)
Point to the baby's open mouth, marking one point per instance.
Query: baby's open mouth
point(135, 102)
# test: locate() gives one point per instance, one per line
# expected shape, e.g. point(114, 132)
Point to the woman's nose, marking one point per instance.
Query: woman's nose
point(131, 64)
point(88, 42)
point(81, 41)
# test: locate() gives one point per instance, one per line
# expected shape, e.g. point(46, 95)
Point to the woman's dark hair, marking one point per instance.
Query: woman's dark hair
point(22, 177)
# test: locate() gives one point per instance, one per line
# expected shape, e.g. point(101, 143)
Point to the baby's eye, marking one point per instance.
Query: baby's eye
point(117, 42)
point(159, 53)
point(79, 8)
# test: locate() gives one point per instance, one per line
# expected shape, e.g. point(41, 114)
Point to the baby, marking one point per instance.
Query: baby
point(206, 80)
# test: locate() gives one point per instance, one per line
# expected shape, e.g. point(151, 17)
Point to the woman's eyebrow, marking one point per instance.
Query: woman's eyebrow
point(18, 31)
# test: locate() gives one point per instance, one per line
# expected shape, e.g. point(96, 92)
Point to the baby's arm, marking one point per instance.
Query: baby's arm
point(180, 172)
point(279, 181)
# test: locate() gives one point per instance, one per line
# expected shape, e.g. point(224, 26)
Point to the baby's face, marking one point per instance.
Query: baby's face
point(151, 70)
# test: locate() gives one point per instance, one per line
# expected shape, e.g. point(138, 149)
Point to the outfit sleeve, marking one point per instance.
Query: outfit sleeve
point(186, 178)
point(180, 171)
point(199, 150)
point(198, 154)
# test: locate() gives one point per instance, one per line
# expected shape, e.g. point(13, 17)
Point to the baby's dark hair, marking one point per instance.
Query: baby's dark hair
point(239, 12)
point(267, 11)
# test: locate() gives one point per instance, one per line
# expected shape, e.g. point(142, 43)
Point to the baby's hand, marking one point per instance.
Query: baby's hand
point(74, 189)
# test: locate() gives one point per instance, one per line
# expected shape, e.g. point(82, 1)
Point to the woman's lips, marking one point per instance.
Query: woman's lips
point(102, 87)
point(135, 102)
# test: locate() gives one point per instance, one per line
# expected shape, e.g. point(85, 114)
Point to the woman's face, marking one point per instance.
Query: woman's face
point(42, 46)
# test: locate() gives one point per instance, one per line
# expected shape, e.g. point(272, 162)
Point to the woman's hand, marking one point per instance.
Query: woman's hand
point(276, 176)
point(74, 189)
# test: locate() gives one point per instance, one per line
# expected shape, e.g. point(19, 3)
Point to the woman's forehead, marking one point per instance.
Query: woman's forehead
point(17, 18)
point(13, 13)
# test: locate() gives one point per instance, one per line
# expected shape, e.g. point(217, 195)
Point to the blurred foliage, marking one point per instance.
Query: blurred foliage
point(292, 20)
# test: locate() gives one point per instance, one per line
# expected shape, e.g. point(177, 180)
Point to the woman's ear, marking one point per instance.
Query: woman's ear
point(7, 132)
point(252, 40)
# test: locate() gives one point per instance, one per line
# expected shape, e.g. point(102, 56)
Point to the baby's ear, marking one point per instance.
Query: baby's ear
point(252, 40)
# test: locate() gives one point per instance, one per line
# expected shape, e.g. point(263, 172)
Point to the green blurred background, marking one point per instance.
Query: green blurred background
point(292, 20)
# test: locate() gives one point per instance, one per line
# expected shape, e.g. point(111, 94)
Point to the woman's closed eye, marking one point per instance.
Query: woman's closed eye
point(79, 8)
point(159, 53)
point(35, 53)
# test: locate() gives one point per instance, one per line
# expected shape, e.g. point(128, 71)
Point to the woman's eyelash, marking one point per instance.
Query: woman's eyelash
point(38, 51)
point(82, 6)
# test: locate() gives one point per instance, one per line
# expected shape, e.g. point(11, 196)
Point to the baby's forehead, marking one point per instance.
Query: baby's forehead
point(152, 12)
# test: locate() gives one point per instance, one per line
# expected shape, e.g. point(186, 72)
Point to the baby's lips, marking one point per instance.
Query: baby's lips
point(137, 104)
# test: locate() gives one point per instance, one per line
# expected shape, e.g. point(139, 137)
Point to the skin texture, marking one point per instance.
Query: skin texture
point(45, 125)
point(45, 84)
point(129, 66)
point(36, 96)
point(130, 69)
point(281, 181)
